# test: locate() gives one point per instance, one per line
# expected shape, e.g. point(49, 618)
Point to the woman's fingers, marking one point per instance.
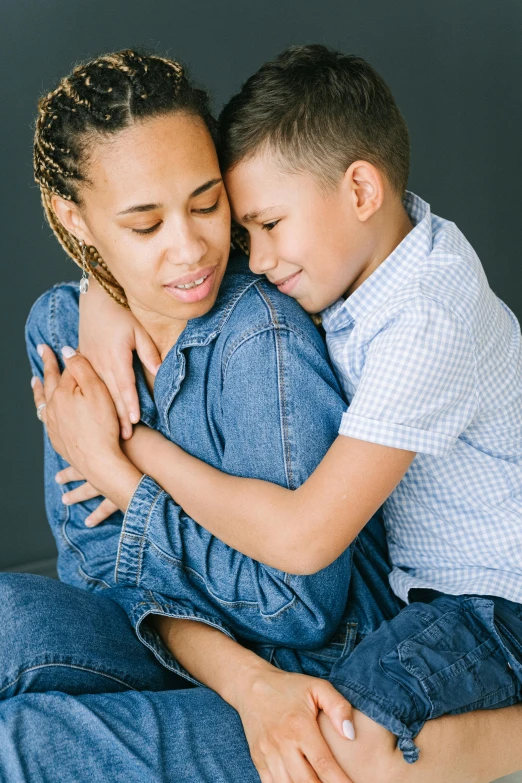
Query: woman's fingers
point(79, 494)
point(68, 474)
point(52, 372)
point(279, 772)
point(82, 371)
point(340, 712)
point(100, 514)
point(298, 767)
point(39, 396)
point(321, 760)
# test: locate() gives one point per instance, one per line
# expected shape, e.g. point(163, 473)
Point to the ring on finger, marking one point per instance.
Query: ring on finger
point(40, 409)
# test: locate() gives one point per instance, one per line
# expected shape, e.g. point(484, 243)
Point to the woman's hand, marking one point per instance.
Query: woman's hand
point(108, 335)
point(83, 426)
point(84, 492)
point(279, 712)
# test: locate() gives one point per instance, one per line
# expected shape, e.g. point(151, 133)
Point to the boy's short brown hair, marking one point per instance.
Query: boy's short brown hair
point(319, 110)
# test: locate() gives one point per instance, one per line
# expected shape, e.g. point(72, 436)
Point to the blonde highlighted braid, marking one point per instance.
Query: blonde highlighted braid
point(99, 98)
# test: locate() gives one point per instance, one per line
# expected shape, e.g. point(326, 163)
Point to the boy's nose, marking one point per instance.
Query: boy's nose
point(261, 263)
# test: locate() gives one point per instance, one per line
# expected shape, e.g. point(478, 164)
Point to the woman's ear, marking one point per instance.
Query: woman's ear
point(366, 185)
point(69, 216)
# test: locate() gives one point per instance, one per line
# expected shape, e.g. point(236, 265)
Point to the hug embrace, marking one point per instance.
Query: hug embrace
point(319, 523)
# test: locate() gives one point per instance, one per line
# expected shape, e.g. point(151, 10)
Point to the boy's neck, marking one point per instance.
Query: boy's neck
point(390, 225)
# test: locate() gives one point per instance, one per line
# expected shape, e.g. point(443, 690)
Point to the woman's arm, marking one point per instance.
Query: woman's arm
point(278, 710)
point(281, 712)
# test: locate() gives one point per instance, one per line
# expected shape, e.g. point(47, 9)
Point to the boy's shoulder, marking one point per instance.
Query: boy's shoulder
point(450, 277)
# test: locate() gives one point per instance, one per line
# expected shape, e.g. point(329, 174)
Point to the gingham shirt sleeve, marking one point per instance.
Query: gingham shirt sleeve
point(417, 388)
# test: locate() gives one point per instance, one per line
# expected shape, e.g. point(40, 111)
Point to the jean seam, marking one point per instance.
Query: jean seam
point(67, 666)
point(141, 538)
point(123, 529)
point(401, 727)
point(239, 603)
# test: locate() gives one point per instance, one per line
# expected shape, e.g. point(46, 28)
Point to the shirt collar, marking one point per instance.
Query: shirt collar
point(203, 330)
point(391, 274)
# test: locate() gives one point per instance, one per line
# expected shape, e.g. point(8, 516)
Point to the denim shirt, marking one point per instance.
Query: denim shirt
point(248, 389)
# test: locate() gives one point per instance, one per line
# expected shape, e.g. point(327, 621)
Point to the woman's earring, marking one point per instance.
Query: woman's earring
point(84, 282)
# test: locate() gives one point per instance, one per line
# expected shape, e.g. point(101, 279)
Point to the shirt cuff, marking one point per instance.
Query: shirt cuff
point(398, 436)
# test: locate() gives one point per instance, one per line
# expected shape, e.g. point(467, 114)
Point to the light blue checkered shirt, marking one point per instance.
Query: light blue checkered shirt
point(431, 361)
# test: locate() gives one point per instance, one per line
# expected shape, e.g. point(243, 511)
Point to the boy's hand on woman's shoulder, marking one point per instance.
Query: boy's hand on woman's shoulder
point(108, 336)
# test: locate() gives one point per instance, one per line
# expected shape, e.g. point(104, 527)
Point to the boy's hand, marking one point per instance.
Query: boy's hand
point(279, 714)
point(108, 336)
point(84, 492)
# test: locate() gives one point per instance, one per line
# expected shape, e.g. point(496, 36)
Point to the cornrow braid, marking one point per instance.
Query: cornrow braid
point(101, 97)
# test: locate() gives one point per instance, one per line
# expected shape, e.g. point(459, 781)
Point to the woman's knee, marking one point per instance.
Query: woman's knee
point(372, 757)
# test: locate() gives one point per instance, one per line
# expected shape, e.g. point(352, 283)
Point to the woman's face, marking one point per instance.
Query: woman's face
point(156, 209)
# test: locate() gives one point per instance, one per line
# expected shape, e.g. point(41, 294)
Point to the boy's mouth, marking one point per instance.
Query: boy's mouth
point(287, 284)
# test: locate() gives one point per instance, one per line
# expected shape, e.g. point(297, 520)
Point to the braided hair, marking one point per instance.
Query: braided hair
point(102, 97)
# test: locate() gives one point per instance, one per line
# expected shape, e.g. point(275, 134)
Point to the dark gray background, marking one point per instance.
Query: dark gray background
point(455, 68)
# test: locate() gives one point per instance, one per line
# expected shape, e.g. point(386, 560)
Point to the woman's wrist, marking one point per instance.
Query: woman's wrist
point(249, 681)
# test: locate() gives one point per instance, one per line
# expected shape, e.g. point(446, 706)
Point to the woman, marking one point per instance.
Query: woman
point(145, 160)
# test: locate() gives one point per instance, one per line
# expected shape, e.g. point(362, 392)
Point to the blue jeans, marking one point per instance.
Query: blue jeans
point(81, 699)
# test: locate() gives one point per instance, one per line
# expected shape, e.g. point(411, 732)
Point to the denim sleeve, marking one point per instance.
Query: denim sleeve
point(281, 409)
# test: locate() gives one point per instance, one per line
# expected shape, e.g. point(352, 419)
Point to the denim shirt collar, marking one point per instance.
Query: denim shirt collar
point(199, 332)
point(393, 273)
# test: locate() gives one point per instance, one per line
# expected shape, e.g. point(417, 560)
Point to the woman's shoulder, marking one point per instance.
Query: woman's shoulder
point(255, 304)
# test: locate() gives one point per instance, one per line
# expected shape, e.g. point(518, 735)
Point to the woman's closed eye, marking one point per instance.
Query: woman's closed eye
point(149, 230)
point(208, 210)
point(152, 229)
point(270, 226)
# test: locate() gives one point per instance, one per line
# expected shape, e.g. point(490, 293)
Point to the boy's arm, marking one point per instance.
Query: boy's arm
point(303, 530)
point(419, 402)
point(108, 334)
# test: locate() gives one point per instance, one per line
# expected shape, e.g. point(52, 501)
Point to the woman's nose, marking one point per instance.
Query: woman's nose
point(186, 246)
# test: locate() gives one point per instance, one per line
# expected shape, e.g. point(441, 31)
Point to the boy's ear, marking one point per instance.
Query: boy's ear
point(69, 216)
point(366, 187)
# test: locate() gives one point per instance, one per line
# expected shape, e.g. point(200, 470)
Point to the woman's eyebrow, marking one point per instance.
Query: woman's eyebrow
point(140, 208)
point(205, 187)
point(150, 207)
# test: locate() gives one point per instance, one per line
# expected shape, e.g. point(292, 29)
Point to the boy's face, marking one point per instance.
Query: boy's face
point(309, 243)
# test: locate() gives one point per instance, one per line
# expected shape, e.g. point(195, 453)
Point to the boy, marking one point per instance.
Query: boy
point(316, 159)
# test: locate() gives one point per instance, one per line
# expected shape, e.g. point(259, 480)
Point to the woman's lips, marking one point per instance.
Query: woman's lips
point(196, 294)
point(287, 285)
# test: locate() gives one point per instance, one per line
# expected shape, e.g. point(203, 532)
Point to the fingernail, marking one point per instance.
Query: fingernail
point(134, 417)
point(58, 478)
point(348, 729)
point(89, 523)
point(67, 351)
point(33, 381)
point(65, 500)
point(40, 349)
